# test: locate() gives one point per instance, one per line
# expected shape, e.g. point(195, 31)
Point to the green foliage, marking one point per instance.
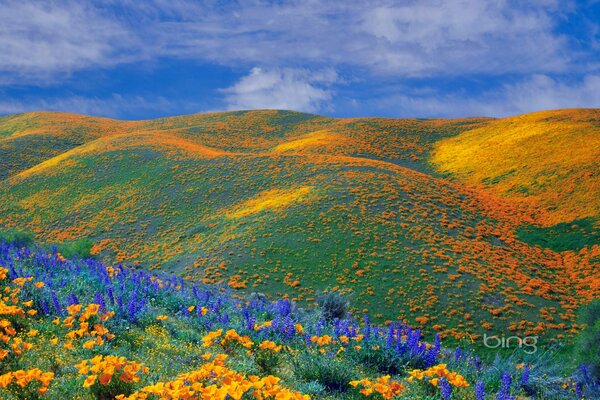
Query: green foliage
point(332, 373)
point(384, 360)
point(333, 305)
point(267, 361)
point(589, 339)
point(561, 237)
point(79, 247)
point(17, 237)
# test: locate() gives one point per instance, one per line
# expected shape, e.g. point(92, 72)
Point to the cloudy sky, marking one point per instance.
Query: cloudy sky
point(135, 59)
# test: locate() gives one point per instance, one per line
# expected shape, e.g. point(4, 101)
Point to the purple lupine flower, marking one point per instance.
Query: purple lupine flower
point(225, 319)
point(56, 303)
point(525, 377)
point(477, 363)
point(207, 324)
point(132, 306)
point(288, 327)
point(430, 358)
point(336, 327)
point(99, 299)
point(578, 391)
point(584, 371)
point(376, 331)
point(307, 339)
point(44, 307)
point(445, 389)
point(367, 330)
point(320, 325)
point(390, 337)
point(505, 382)
point(479, 391)
point(457, 354)
point(251, 322)
point(111, 295)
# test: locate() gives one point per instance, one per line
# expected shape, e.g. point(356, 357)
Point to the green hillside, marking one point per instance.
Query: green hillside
point(287, 203)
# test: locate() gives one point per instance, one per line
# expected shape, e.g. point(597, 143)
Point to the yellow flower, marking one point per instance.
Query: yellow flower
point(74, 309)
point(39, 285)
point(89, 381)
point(92, 309)
point(89, 344)
point(162, 317)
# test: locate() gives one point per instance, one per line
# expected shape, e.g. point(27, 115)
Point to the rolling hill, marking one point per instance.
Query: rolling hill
point(458, 226)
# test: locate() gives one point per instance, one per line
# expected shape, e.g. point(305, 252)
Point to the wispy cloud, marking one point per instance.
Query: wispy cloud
point(537, 92)
point(410, 38)
point(112, 106)
point(46, 40)
point(287, 88)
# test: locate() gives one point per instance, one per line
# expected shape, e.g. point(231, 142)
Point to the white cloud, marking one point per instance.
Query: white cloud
point(287, 88)
point(409, 38)
point(112, 106)
point(46, 40)
point(535, 93)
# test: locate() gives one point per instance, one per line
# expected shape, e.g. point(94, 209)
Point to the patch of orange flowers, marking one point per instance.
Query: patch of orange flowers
point(433, 374)
point(215, 381)
point(102, 369)
point(383, 385)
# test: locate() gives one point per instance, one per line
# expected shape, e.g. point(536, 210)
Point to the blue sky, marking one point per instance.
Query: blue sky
point(134, 59)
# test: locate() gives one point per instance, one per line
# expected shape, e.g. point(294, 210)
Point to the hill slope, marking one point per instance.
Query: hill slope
point(283, 202)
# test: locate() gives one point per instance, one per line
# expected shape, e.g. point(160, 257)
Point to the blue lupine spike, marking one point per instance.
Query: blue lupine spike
point(44, 307)
point(584, 371)
point(99, 299)
point(479, 391)
point(250, 323)
point(457, 354)
point(225, 319)
point(319, 328)
point(525, 377)
point(477, 363)
point(111, 295)
point(72, 299)
point(376, 331)
point(578, 391)
point(390, 338)
point(56, 303)
point(505, 382)
point(445, 389)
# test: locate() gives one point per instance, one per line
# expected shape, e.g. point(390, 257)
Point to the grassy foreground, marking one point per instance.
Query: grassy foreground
point(79, 329)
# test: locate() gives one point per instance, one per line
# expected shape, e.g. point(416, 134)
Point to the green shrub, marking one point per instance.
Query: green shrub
point(333, 305)
point(334, 374)
point(589, 339)
point(17, 238)
point(384, 360)
point(80, 247)
point(267, 361)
